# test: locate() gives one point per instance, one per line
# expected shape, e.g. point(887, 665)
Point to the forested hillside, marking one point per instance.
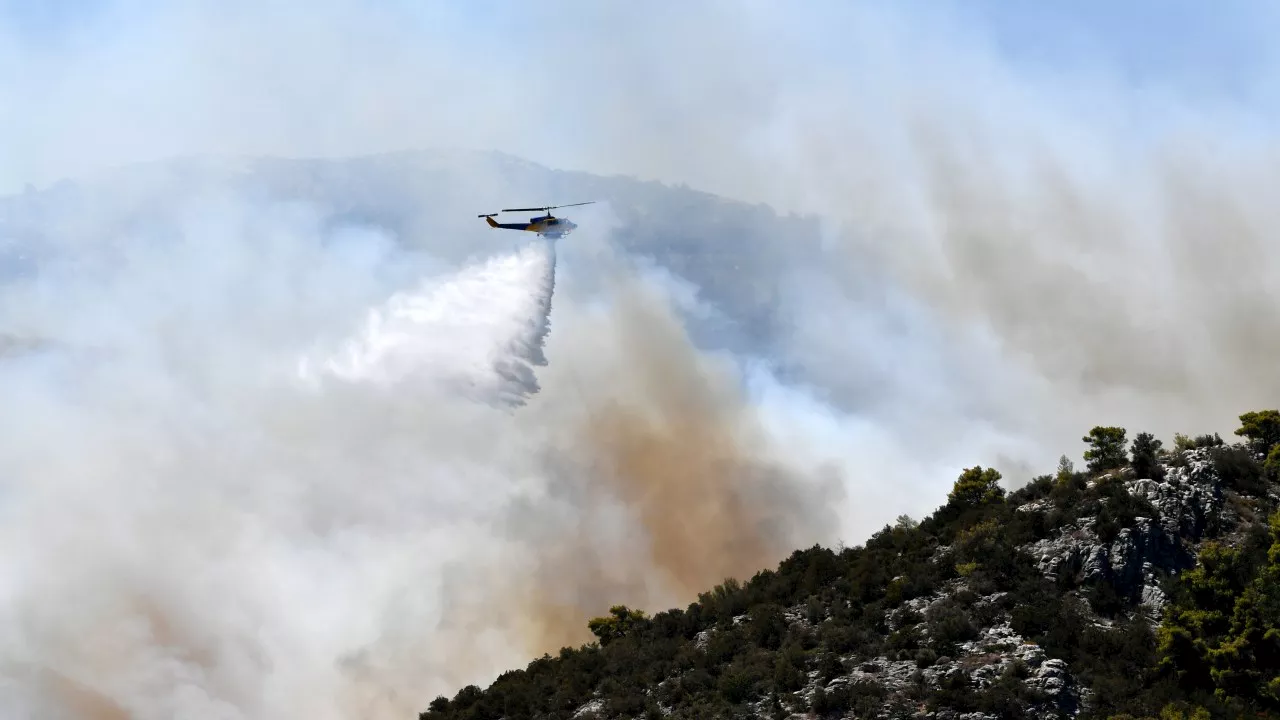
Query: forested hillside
point(1146, 585)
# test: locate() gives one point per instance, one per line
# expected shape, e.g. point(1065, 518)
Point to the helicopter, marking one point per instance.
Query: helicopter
point(544, 225)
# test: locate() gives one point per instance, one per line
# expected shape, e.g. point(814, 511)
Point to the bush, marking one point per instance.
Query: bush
point(866, 697)
point(1182, 442)
point(1145, 454)
point(738, 685)
point(1272, 464)
point(768, 626)
point(1239, 470)
point(787, 673)
point(949, 623)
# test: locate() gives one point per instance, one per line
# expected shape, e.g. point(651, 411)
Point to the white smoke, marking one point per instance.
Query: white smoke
point(187, 531)
point(265, 464)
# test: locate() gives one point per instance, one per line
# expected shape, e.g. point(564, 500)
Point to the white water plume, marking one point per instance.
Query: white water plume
point(478, 333)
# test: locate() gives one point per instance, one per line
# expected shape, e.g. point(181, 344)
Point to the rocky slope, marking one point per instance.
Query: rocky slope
point(1055, 601)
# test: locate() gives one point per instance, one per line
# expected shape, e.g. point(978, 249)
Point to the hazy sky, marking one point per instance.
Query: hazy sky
point(1071, 196)
point(85, 83)
point(1060, 180)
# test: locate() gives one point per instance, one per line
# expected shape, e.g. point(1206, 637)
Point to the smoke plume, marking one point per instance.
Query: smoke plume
point(269, 459)
point(262, 470)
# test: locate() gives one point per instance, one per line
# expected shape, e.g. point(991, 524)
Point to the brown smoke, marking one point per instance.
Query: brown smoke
point(676, 444)
point(81, 701)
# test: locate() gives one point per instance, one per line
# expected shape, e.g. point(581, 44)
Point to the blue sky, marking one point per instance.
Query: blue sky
point(1198, 44)
point(1199, 47)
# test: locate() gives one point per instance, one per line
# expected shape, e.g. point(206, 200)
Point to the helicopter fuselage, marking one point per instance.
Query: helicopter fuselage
point(546, 225)
point(549, 225)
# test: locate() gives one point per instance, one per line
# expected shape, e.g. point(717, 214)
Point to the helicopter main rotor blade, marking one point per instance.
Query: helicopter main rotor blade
point(546, 207)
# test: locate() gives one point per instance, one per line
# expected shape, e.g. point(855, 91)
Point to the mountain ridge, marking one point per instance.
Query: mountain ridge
point(736, 253)
point(1147, 585)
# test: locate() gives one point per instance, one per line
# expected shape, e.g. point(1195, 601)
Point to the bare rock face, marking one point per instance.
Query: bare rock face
point(1184, 504)
point(1188, 497)
point(1187, 501)
point(1130, 562)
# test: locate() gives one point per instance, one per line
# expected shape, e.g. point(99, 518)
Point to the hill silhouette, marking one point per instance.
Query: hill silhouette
point(733, 252)
point(1146, 585)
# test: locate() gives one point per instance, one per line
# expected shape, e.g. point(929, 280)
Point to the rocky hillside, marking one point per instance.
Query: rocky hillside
point(1146, 585)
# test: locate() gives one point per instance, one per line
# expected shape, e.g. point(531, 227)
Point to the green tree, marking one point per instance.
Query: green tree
point(1106, 448)
point(1184, 711)
point(1145, 453)
point(1272, 464)
point(768, 625)
point(1261, 428)
point(1065, 467)
point(787, 673)
point(1222, 633)
point(620, 621)
point(976, 486)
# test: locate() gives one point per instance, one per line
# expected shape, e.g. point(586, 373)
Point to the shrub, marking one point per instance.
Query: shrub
point(1239, 470)
point(1145, 457)
point(1272, 464)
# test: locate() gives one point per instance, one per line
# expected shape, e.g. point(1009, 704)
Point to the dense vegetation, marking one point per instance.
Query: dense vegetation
point(1213, 652)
